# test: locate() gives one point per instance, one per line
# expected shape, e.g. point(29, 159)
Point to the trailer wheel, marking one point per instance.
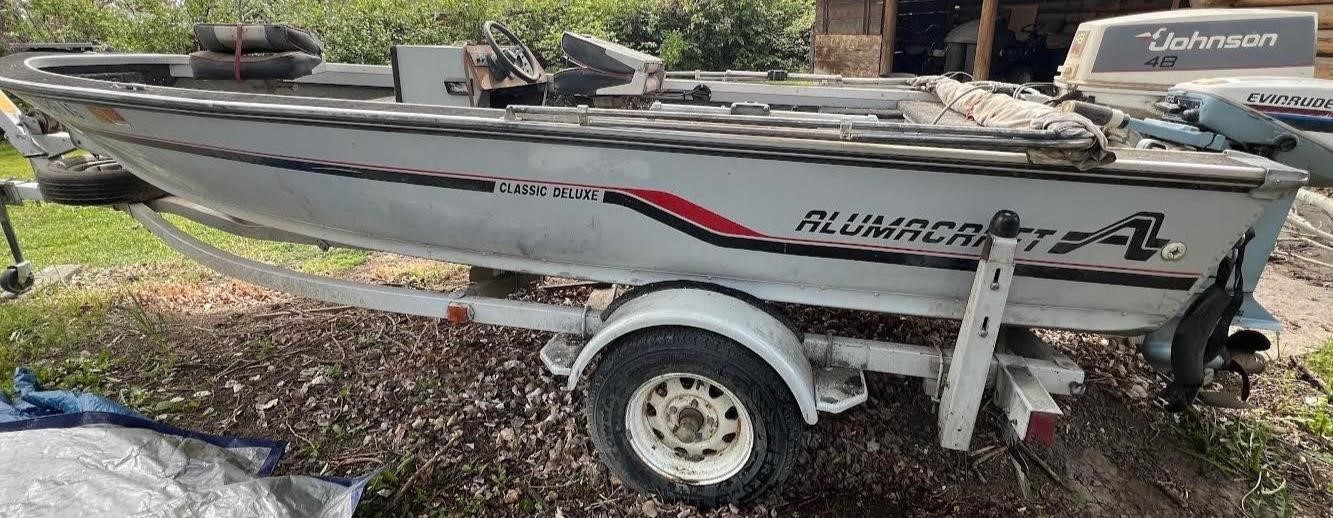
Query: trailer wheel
point(14, 281)
point(88, 180)
point(693, 416)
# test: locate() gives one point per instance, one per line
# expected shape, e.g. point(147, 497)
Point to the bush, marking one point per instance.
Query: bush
point(688, 34)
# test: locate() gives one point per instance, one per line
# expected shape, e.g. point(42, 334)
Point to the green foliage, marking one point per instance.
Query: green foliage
point(1244, 448)
point(38, 329)
point(688, 34)
point(1321, 361)
point(57, 20)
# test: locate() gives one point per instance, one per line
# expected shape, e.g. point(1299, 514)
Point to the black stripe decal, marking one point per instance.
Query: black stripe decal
point(363, 173)
point(1304, 122)
point(681, 224)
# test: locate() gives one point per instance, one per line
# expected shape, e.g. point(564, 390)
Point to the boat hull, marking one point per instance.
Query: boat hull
point(895, 239)
point(889, 228)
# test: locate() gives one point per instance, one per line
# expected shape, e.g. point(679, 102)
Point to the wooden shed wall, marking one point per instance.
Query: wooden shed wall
point(1324, 61)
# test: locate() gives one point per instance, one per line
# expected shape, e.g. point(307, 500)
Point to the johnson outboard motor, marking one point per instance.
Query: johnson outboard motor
point(1129, 62)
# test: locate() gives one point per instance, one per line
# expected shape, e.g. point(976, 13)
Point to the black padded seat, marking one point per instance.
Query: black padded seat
point(267, 52)
point(282, 65)
point(586, 81)
point(592, 55)
point(257, 38)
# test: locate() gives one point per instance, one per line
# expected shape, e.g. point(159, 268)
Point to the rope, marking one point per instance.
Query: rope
point(981, 86)
point(240, 42)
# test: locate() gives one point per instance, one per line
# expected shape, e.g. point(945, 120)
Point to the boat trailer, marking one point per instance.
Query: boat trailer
point(825, 373)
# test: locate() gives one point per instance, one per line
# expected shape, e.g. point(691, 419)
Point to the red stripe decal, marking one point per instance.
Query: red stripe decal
point(692, 212)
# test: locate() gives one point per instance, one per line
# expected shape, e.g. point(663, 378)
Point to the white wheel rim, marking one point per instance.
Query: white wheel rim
point(689, 428)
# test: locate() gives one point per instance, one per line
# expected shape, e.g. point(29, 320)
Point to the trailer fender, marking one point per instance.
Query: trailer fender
point(741, 321)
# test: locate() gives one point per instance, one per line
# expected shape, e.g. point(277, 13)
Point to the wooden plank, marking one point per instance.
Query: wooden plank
point(875, 19)
point(821, 19)
point(852, 55)
point(888, 36)
point(59, 274)
point(1324, 11)
point(1274, 3)
point(1325, 42)
point(985, 39)
point(1323, 68)
point(845, 17)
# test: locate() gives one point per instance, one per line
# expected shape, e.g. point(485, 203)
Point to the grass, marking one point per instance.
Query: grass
point(1242, 447)
point(36, 330)
point(48, 331)
point(1250, 445)
point(103, 237)
point(1321, 361)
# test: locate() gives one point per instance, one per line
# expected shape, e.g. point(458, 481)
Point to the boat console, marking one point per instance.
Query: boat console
point(484, 75)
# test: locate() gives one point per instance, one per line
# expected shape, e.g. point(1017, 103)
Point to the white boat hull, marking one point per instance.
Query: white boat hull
point(862, 226)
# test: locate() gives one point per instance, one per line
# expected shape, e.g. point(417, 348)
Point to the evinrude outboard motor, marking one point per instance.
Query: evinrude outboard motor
point(1289, 120)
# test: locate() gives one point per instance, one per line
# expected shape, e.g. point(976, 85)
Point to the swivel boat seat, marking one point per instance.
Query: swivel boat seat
point(262, 51)
point(606, 69)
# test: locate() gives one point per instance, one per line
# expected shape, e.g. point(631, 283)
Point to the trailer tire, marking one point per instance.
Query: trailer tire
point(89, 180)
point(716, 389)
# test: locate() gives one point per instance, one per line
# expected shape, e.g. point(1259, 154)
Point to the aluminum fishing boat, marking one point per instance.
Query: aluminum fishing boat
point(843, 209)
point(710, 192)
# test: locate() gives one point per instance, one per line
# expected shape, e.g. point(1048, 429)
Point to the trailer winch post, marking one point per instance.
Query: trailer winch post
point(972, 355)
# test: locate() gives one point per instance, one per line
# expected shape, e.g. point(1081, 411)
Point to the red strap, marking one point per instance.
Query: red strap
point(240, 42)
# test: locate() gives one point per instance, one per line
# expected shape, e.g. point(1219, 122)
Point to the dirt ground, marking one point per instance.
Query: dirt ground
point(1297, 286)
point(464, 420)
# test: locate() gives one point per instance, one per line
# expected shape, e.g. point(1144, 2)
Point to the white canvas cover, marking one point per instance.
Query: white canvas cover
point(977, 102)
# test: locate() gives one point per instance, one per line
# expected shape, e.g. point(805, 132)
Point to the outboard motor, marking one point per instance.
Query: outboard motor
point(1129, 62)
point(1289, 120)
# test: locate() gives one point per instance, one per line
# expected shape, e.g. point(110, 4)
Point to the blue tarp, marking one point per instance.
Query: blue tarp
point(71, 454)
point(33, 402)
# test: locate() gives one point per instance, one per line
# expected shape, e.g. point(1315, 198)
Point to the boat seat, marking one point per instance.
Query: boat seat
point(590, 52)
point(606, 68)
point(267, 51)
point(586, 81)
point(257, 38)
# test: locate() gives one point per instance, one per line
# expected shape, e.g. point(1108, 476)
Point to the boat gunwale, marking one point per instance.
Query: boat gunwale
point(26, 73)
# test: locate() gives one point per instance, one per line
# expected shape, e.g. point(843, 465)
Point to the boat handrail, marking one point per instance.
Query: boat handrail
point(859, 130)
point(778, 76)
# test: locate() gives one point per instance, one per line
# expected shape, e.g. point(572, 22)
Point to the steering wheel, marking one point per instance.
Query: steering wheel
point(522, 64)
